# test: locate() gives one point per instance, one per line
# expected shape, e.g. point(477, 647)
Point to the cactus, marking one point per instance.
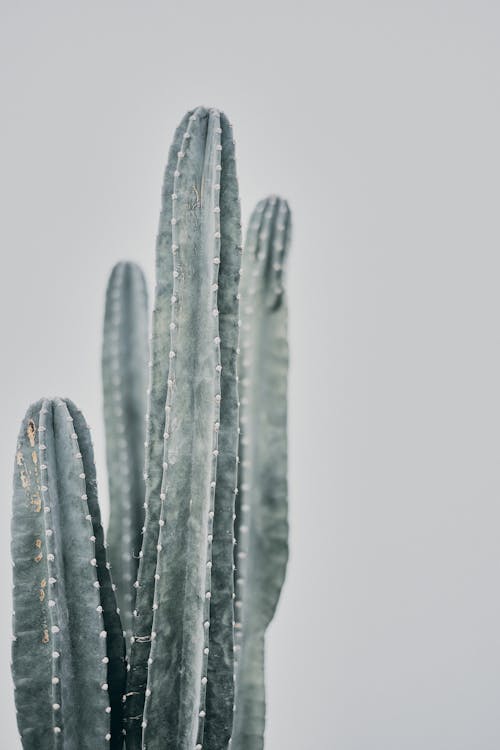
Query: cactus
point(261, 525)
point(124, 376)
point(68, 651)
point(180, 688)
point(212, 559)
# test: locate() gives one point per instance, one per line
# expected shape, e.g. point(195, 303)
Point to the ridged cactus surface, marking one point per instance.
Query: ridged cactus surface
point(262, 523)
point(180, 688)
point(68, 651)
point(198, 547)
point(124, 376)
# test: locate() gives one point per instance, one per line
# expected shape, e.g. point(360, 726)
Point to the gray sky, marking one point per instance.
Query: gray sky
point(379, 122)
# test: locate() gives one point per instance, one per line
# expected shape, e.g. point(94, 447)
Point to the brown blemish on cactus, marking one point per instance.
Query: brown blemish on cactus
point(36, 502)
point(31, 432)
point(24, 479)
point(41, 595)
point(43, 586)
point(45, 636)
point(34, 457)
point(38, 545)
point(23, 474)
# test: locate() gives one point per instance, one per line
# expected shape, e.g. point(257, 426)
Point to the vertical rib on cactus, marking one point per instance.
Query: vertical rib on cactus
point(115, 644)
point(124, 375)
point(220, 670)
point(261, 524)
point(185, 584)
point(68, 651)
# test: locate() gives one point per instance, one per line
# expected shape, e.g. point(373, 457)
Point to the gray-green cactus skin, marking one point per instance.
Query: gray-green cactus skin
point(180, 690)
point(125, 355)
point(68, 660)
point(212, 546)
point(261, 553)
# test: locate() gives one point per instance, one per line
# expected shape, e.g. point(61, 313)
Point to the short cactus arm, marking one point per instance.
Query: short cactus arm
point(124, 375)
point(262, 526)
point(57, 548)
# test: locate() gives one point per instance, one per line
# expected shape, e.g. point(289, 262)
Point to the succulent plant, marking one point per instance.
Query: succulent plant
point(181, 688)
point(205, 548)
point(125, 355)
point(68, 651)
point(262, 525)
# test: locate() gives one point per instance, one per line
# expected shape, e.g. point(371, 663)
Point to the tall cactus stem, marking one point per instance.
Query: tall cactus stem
point(261, 523)
point(184, 588)
point(124, 376)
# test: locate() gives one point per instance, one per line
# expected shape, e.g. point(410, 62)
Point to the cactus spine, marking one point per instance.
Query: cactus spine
point(124, 376)
point(180, 690)
point(68, 651)
point(262, 526)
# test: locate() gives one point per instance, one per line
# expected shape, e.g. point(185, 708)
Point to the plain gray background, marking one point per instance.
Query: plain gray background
point(380, 122)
